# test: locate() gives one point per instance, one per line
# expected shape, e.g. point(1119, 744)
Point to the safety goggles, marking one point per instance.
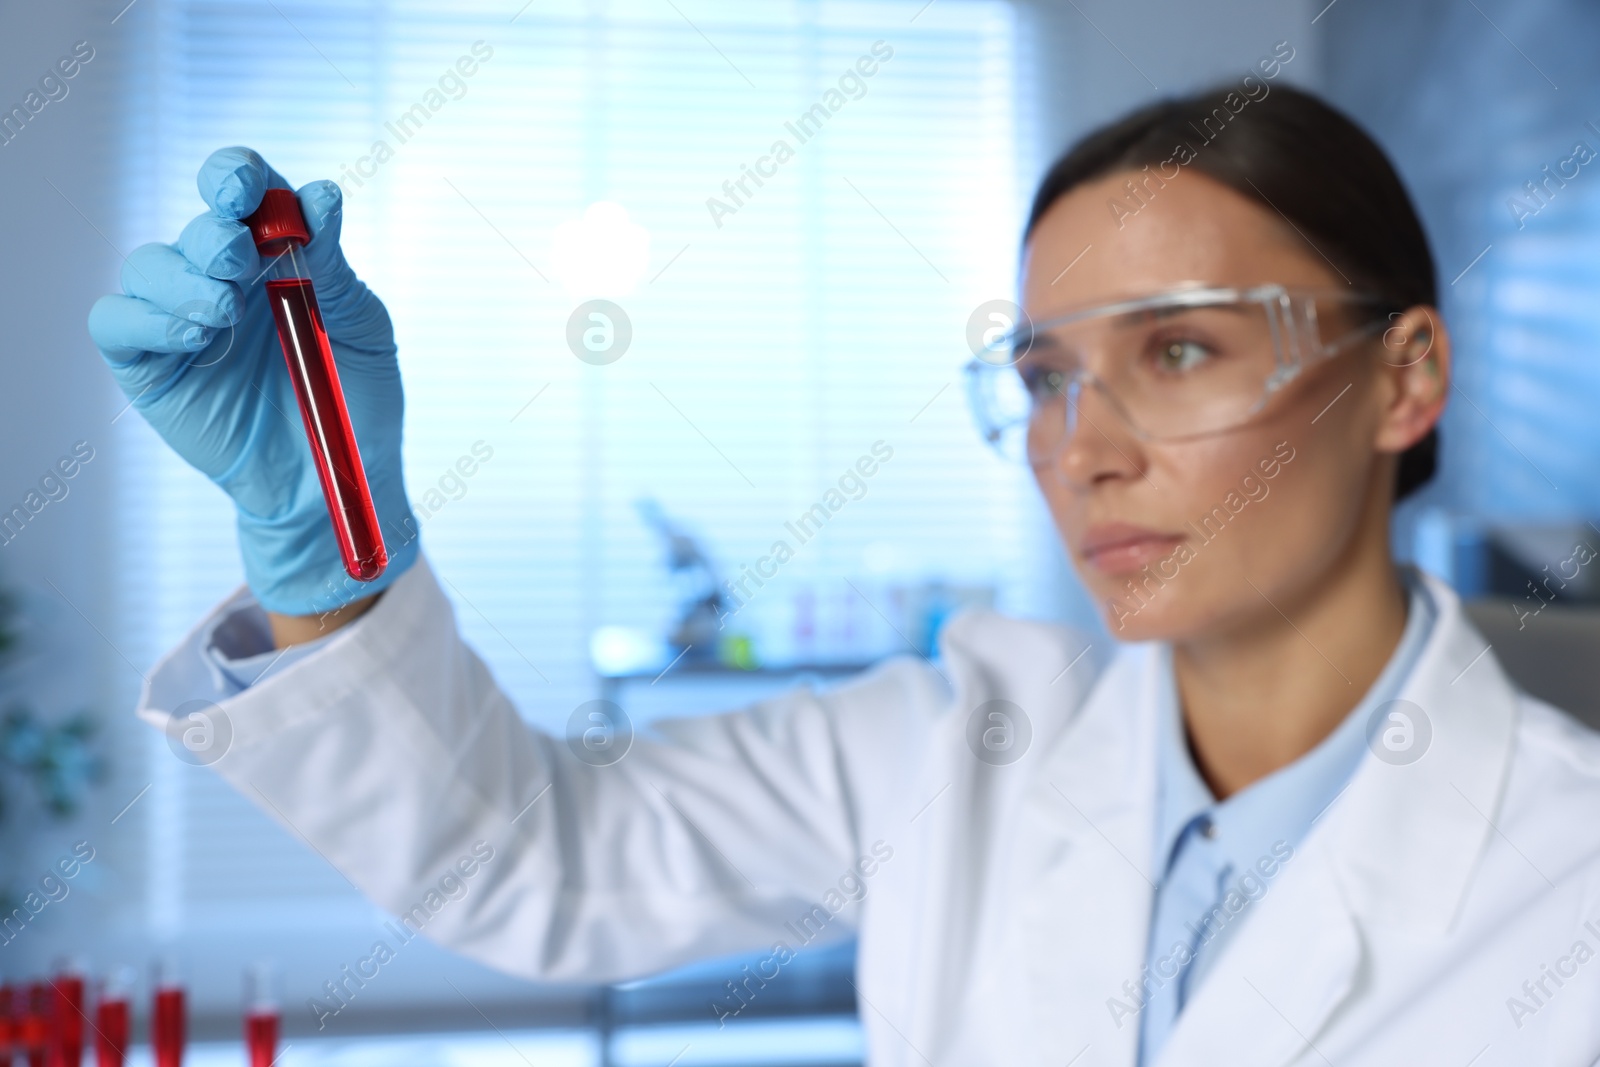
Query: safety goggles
point(1189, 362)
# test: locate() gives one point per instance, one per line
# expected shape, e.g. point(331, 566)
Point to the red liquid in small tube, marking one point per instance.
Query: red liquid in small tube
point(261, 1037)
point(8, 1025)
point(69, 1018)
point(33, 1026)
point(166, 1027)
point(280, 232)
point(111, 1033)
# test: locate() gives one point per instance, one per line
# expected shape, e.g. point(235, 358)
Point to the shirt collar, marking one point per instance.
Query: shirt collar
point(1283, 805)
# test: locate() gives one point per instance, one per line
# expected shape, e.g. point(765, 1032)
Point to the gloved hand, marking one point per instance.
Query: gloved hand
point(194, 346)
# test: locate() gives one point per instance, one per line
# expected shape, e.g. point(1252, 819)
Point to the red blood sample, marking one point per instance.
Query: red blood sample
point(8, 1025)
point(327, 422)
point(261, 1037)
point(166, 1027)
point(262, 995)
point(279, 230)
point(69, 1018)
point(33, 1026)
point(111, 1037)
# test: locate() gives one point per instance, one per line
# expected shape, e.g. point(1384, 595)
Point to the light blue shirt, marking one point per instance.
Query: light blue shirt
point(239, 649)
point(1216, 859)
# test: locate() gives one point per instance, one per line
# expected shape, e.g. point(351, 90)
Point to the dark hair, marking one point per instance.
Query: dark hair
point(1291, 152)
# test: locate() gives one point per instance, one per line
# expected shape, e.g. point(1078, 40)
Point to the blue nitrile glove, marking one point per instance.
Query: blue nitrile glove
point(194, 346)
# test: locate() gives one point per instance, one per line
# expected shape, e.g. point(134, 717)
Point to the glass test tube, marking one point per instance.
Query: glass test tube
point(167, 1016)
point(8, 1022)
point(33, 1025)
point(113, 1017)
point(261, 1014)
point(280, 234)
point(67, 990)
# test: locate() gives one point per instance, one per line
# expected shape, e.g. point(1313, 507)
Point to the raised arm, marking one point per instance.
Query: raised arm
point(394, 754)
point(388, 747)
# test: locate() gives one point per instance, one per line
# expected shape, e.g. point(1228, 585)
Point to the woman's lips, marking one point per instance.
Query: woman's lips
point(1121, 548)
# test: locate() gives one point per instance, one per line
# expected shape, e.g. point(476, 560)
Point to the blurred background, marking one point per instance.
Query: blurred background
point(535, 156)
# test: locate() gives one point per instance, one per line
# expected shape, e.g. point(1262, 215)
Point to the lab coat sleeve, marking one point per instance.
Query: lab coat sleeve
point(392, 752)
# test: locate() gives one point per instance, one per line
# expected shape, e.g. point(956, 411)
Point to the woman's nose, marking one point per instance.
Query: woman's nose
point(1098, 442)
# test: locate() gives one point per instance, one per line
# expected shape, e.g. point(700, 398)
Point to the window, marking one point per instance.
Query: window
point(1498, 148)
point(780, 328)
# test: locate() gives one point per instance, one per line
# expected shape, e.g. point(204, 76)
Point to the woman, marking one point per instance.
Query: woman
point(1297, 815)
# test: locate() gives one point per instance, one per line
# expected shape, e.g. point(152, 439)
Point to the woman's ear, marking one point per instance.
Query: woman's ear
point(1416, 362)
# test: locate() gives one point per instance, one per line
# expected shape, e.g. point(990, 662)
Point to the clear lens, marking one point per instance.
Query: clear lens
point(1000, 406)
point(1189, 364)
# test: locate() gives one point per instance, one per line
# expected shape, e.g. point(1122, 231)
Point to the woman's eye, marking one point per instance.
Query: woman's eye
point(1041, 384)
point(1178, 354)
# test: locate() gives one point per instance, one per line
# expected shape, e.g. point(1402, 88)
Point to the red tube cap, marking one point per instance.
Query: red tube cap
point(278, 219)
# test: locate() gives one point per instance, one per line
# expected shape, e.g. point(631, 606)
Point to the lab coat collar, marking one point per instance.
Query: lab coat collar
point(1395, 851)
point(1274, 987)
point(1407, 837)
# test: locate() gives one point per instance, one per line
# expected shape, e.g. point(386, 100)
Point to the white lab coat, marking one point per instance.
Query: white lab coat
point(1002, 907)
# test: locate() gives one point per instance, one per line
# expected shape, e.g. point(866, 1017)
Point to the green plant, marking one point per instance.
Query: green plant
point(57, 759)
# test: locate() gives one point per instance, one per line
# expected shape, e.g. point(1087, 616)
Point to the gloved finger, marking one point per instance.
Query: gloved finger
point(231, 181)
point(352, 314)
point(167, 279)
point(322, 204)
point(125, 328)
point(220, 247)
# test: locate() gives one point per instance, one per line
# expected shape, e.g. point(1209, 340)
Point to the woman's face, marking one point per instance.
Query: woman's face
point(1180, 539)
